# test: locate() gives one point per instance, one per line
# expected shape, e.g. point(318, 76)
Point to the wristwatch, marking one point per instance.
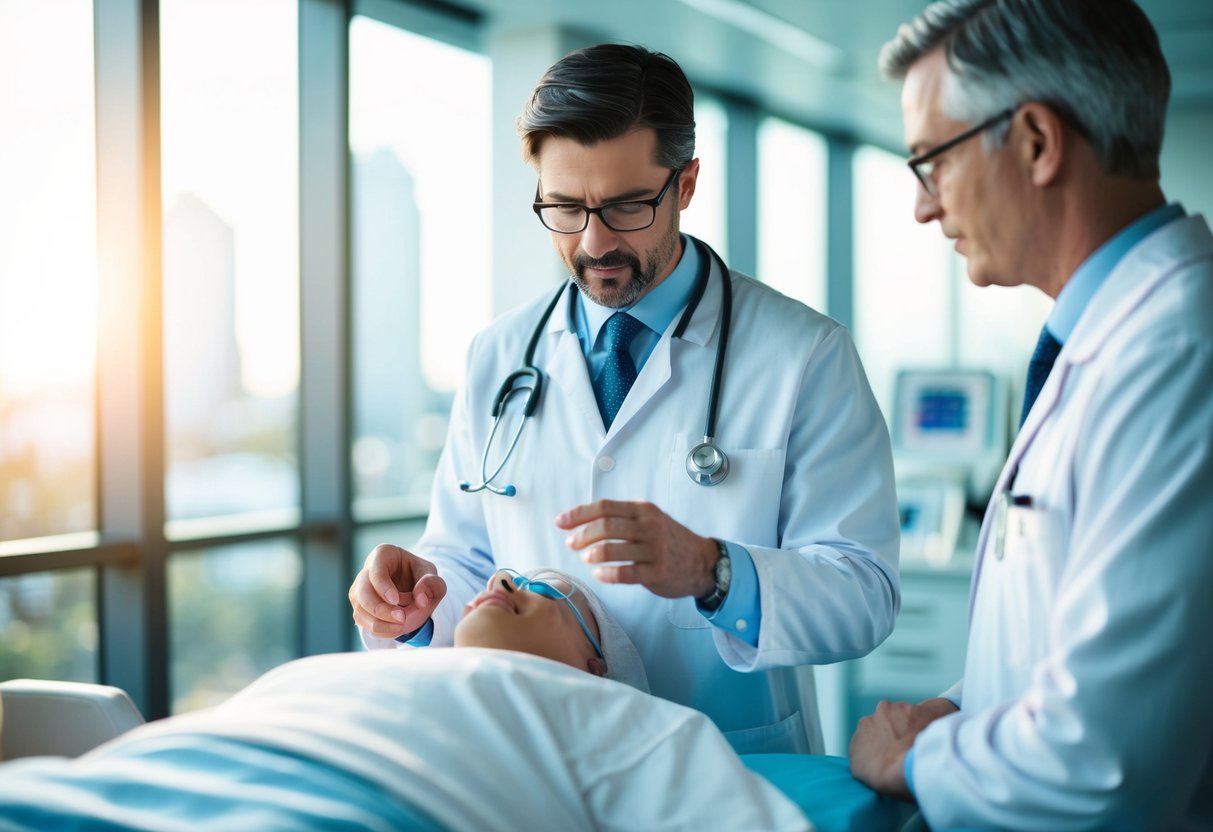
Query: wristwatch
point(724, 576)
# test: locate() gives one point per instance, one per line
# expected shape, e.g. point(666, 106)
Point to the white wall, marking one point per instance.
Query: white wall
point(1187, 161)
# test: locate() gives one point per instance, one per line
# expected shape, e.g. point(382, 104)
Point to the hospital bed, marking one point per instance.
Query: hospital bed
point(66, 719)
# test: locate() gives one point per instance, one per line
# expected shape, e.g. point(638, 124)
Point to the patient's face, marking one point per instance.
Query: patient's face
point(509, 618)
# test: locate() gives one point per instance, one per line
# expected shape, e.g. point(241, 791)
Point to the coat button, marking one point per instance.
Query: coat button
point(606, 463)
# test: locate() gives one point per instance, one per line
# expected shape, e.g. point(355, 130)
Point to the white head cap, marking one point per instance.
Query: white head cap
point(622, 661)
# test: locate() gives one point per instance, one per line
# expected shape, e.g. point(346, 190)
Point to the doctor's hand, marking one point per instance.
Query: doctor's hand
point(395, 592)
point(882, 740)
point(638, 543)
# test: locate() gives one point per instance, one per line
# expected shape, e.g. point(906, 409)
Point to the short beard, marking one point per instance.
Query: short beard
point(615, 295)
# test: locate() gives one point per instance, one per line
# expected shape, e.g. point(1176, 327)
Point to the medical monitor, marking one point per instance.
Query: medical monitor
point(949, 432)
point(953, 417)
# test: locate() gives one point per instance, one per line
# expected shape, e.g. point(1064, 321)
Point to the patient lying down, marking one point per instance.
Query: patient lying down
point(511, 729)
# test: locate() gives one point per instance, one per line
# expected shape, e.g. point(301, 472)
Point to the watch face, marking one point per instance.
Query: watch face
point(724, 572)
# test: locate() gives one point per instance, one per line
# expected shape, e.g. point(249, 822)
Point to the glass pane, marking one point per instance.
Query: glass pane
point(48, 272)
point(229, 110)
point(792, 210)
point(707, 216)
point(48, 626)
point(905, 276)
point(233, 615)
point(421, 168)
point(404, 534)
point(998, 328)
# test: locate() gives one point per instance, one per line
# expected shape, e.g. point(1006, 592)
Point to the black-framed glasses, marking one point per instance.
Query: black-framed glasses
point(572, 217)
point(546, 590)
point(924, 164)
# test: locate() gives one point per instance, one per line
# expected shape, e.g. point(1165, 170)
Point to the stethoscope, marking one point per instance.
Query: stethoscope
point(706, 463)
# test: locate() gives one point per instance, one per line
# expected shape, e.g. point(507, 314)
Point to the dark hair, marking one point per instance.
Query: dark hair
point(1097, 62)
point(602, 92)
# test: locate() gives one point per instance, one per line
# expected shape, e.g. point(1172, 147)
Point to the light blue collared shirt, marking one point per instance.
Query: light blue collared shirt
point(1091, 274)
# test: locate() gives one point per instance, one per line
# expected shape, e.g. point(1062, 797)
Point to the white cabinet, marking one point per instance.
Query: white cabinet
point(925, 653)
point(923, 657)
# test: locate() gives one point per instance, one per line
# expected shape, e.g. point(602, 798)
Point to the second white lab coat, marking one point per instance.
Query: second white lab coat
point(1086, 699)
point(810, 495)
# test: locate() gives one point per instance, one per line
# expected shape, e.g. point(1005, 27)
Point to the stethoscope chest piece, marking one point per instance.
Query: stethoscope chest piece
point(706, 463)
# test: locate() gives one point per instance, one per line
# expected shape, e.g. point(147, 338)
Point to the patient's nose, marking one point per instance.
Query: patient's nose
point(500, 581)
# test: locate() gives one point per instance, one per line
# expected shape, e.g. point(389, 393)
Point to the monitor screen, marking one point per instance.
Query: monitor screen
point(945, 413)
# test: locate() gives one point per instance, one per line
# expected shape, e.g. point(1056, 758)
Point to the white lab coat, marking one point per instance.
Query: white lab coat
point(1086, 699)
point(810, 494)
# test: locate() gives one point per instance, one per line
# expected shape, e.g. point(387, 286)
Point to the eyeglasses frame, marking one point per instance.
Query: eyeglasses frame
point(653, 202)
point(916, 163)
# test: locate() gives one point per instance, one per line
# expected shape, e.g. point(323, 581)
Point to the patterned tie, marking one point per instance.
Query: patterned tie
point(615, 380)
point(1046, 352)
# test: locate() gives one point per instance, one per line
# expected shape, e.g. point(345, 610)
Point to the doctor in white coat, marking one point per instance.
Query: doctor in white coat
point(1085, 702)
point(729, 590)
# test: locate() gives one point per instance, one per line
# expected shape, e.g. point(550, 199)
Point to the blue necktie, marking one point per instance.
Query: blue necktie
point(1045, 354)
point(615, 380)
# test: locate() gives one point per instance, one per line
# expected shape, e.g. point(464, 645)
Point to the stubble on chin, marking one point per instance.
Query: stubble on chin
point(614, 293)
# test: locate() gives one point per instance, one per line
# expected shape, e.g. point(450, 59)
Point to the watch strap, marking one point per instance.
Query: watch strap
point(712, 601)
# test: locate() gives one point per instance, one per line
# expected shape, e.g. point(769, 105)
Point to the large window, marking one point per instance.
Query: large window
point(792, 210)
point(229, 126)
point(229, 173)
point(48, 626)
point(905, 277)
point(48, 273)
point(235, 616)
point(708, 216)
point(422, 230)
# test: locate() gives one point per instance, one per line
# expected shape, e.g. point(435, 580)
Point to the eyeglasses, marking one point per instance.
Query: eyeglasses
point(923, 165)
point(546, 590)
point(572, 218)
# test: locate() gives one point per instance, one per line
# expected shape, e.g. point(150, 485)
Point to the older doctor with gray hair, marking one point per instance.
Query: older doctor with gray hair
point(1035, 128)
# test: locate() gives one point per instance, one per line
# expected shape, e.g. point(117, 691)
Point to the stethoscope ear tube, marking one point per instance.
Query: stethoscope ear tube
point(507, 389)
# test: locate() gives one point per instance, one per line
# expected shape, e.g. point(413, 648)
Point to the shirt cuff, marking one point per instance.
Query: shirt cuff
point(421, 637)
point(740, 612)
point(908, 770)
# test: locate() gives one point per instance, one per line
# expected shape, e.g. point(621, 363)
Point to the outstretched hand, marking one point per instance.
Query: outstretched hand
point(395, 592)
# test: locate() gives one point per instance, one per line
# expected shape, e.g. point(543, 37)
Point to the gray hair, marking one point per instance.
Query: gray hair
point(1096, 62)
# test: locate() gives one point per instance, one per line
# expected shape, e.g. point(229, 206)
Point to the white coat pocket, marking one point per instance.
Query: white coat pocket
point(1029, 569)
point(743, 508)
